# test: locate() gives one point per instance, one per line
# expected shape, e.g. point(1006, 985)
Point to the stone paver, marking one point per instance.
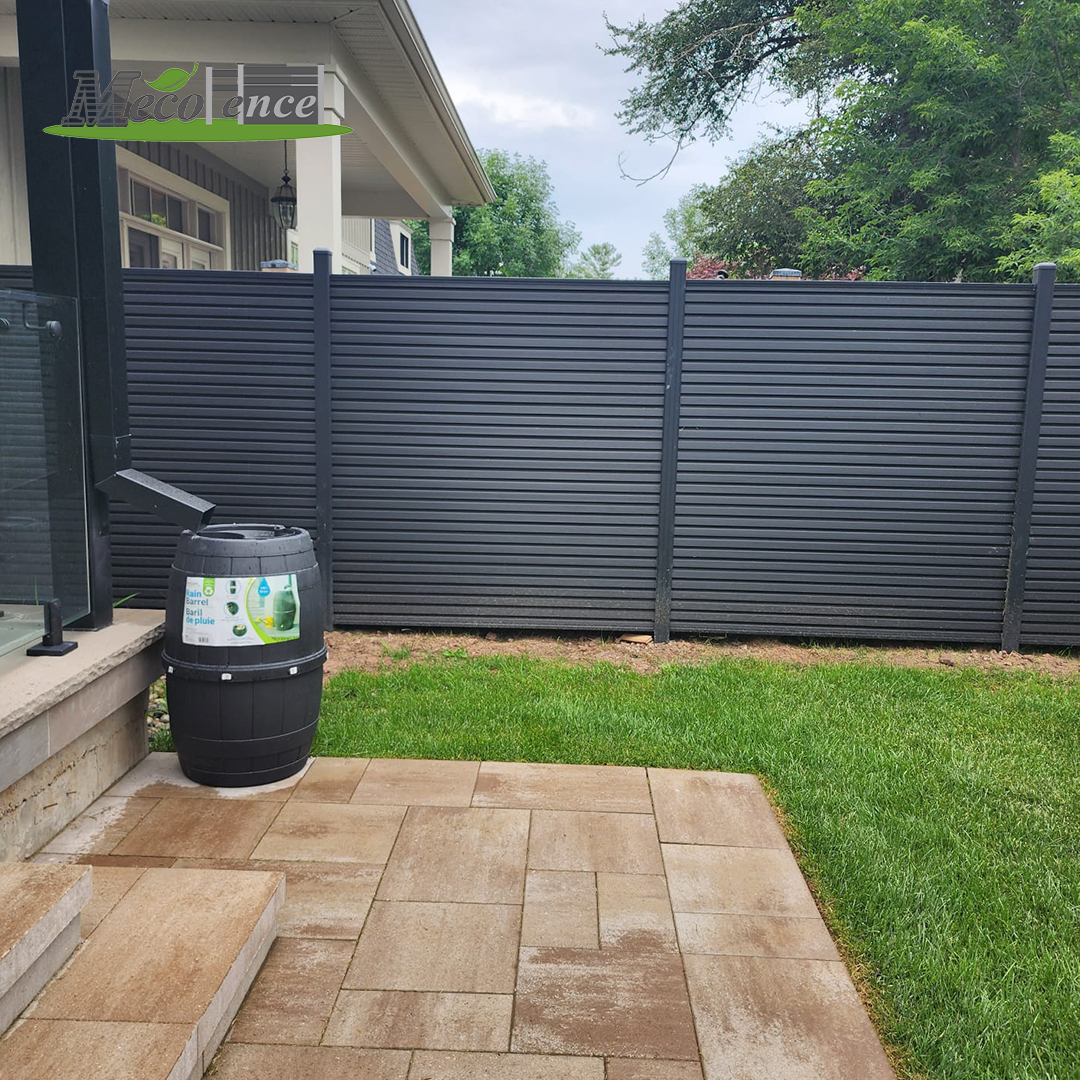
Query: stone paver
point(755, 935)
point(322, 899)
point(327, 833)
point(199, 829)
point(36, 903)
point(426, 1021)
point(100, 827)
point(797, 1019)
point(429, 1066)
point(563, 787)
point(729, 809)
point(468, 948)
point(745, 881)
point(638, 1069)
point(330, 780)
point(139, 964)
point(51, 1049)
point(560, 910)
point(627, 1004)
point(610, 843)
point(240, 1062)
point(418, 783)
point(110, 883)
point(635, 912)
point(460, 855)
point(468, 921)
point(292, 996)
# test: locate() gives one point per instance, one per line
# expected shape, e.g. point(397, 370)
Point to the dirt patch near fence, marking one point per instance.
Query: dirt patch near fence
point(377, 650)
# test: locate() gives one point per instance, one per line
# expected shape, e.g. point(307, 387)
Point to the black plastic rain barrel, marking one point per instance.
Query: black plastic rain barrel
point(244, 653)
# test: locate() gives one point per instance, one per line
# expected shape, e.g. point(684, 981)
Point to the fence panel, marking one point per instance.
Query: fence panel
point(1051, 613)
point(847, 458)
point(222, 404)
point(496, 449)
point(846, 462)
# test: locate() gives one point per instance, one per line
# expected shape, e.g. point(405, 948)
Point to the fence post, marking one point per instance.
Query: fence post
point(669, 448)
point(1043, 280)
point(324, 454)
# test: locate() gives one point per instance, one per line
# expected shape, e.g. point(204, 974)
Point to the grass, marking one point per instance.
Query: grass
point(936, 813)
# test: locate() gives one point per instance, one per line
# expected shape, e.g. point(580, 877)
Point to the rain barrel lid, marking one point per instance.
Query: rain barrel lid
point(247, 539)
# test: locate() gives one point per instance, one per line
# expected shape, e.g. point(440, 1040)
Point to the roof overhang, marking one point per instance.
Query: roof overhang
point(409, 155)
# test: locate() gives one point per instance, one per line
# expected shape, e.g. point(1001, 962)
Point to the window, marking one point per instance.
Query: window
point(168, 222)
point(157, 207)
point(403, 251)
point(294, 253)
point(206, 225)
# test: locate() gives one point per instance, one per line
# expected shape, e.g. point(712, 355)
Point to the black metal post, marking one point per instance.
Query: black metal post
point(324, 453)
point(669, 448)
point(74, 239)
point(1043, 309)
point(75, 248)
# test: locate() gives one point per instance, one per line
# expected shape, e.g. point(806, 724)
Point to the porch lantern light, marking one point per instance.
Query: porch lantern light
point(284, 201)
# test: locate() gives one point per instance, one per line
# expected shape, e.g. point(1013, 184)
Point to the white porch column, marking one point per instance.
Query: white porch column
point(318, 184)
point(442, 247)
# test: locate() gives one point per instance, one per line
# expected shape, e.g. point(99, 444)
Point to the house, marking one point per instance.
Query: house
point(195, 205)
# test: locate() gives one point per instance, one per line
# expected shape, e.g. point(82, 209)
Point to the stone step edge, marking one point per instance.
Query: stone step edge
point(210, 1029)
point(43, 949)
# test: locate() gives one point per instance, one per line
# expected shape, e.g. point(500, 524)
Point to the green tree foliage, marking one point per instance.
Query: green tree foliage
point(597, 261)
point(1050, 231)
point(933, 149)
point(520, 234)
point(754, 218)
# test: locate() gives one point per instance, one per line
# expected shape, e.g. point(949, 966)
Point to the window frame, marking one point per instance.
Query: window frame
point(133, 169)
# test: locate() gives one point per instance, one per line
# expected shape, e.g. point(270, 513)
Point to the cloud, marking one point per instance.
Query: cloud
point(526, 112)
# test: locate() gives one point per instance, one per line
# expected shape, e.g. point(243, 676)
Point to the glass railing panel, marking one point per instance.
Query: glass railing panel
point(43, 539)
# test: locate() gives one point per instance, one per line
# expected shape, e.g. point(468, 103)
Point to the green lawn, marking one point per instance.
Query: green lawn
point(937, 813)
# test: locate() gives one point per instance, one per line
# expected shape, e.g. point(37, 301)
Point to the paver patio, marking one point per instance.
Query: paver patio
point(465, 921)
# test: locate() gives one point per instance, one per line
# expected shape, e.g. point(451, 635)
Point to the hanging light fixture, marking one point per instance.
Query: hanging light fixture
point(285, 200)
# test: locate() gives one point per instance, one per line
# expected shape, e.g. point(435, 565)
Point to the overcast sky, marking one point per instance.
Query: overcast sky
point(528, 77)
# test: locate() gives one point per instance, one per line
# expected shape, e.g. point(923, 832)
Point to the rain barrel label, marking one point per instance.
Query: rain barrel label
point(241, 611)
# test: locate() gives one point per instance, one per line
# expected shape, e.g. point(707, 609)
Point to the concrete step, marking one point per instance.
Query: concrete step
point(39, 928)
point(152, 990)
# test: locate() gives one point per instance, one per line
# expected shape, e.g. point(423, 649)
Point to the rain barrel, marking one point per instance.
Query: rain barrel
point(244, 653)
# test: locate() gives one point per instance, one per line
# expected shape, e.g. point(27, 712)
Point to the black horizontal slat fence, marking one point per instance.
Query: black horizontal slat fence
point(1051, 609)
point(795, 458)
point(221, 403)
point(496, 451)
point(848, 458)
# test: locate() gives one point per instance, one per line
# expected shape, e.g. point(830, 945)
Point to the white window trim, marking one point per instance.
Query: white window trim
point(397, 230)
point(139, 169)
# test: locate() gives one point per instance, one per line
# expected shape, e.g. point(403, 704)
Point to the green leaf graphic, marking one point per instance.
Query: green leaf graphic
point(169, 81)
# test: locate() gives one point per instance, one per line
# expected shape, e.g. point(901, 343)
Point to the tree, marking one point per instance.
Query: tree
point(520, 234)
point(754, 218)
point(1050, 231)
point(939, 118)
point(597, 261)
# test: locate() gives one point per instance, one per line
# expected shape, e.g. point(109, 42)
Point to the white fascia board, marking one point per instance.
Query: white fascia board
point(403, 23)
